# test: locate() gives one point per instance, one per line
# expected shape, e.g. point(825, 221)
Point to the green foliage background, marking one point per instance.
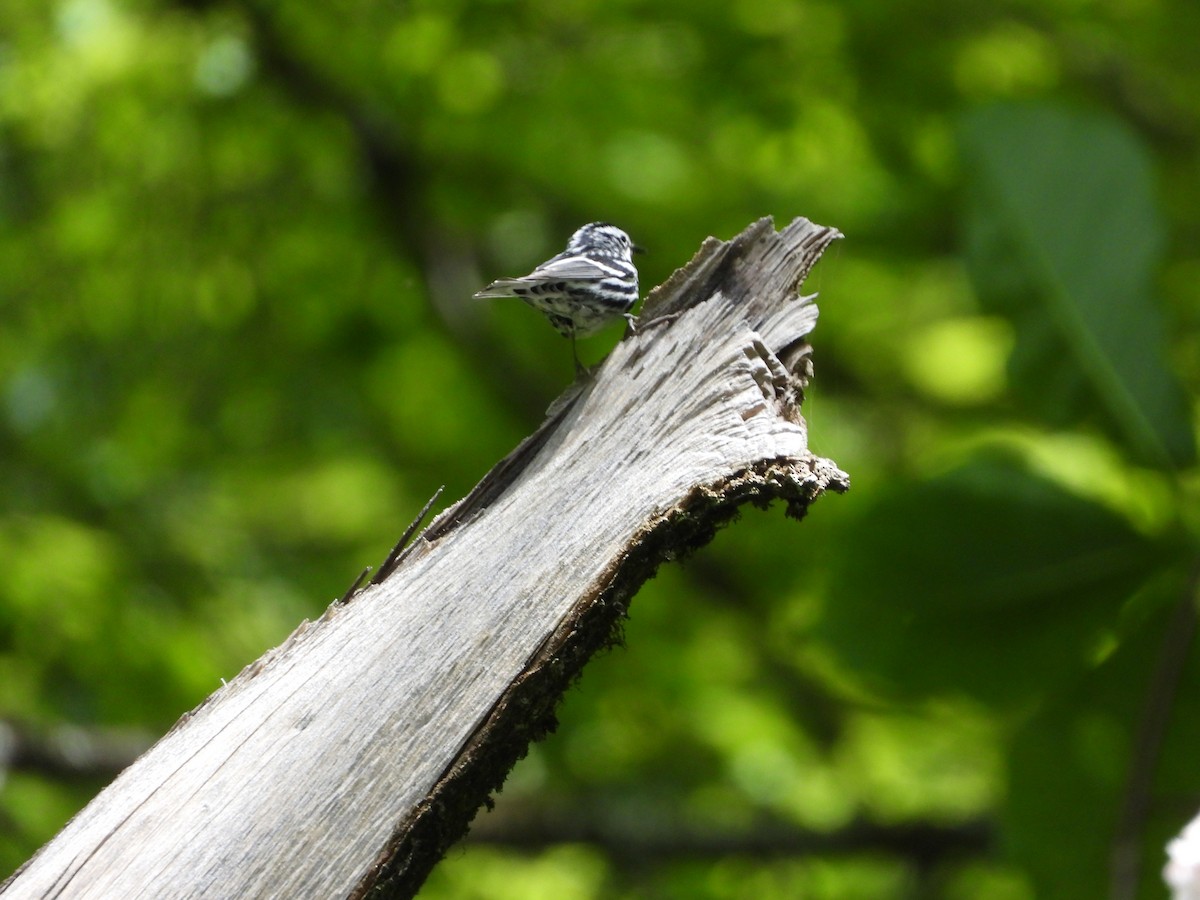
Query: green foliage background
point(237, 242)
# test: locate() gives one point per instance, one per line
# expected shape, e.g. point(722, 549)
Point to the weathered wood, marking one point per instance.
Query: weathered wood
point(345, 761)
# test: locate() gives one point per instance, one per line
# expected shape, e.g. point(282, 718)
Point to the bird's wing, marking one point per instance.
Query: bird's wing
point(581, 267)
point(560, 268)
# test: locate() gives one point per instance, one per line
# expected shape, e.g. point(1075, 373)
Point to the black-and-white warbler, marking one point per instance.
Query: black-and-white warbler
point(583, 288)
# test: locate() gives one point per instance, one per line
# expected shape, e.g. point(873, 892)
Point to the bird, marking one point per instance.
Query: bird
point(582, 289)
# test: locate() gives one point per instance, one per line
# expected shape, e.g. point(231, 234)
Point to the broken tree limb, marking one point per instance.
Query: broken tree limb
point(347, 760)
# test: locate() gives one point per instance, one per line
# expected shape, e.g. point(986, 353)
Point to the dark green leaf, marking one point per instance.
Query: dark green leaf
point(1074, 765)
point(988, 580)
point(1064, 237)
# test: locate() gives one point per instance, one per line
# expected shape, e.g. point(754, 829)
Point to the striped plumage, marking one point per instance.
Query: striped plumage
point(583, 288)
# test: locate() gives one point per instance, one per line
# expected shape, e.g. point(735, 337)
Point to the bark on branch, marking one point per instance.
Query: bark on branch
point(346, 761)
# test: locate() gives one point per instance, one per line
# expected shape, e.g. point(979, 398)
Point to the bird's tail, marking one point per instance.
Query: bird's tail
point(505, 287)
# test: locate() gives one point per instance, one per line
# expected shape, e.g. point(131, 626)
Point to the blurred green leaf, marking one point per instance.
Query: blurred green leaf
point(1073, 764)
point(1064, 236)
point(988, 580)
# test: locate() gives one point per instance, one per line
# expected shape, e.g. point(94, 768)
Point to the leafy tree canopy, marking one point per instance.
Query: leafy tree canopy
point(238, 242)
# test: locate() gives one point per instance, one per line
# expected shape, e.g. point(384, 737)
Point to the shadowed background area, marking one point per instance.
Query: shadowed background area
point(238, 351)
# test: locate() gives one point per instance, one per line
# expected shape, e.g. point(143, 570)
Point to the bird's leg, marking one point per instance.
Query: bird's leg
point(632, 320)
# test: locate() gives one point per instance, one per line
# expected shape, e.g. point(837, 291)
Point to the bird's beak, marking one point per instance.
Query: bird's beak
point(637, 249)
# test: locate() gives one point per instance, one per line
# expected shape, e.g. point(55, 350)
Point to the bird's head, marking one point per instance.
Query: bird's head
point(602, 239)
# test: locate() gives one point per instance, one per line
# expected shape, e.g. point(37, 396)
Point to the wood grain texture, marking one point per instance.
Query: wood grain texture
point(345, 762)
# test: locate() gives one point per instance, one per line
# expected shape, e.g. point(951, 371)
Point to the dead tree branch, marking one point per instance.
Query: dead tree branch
point(346, 761)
